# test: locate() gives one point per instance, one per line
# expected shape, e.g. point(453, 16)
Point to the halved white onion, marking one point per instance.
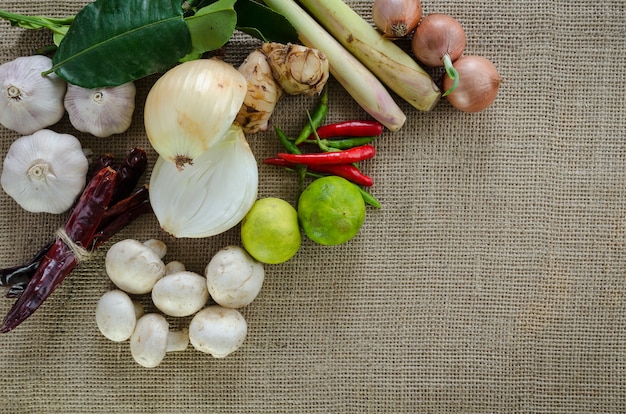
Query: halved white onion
point(209, 196)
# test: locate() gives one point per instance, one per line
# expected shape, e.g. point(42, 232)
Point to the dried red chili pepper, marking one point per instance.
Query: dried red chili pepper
point(353, 128)
point(347, 171)
point(17, 277)
point(128, 174)
point(348, 156)
point(122, 214)
point(125, 207)
point(61, 259)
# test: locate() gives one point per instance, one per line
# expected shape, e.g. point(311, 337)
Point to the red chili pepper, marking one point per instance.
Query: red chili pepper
point(348, 156)
point(347, 171)
point(60, 260)
point(349, 129)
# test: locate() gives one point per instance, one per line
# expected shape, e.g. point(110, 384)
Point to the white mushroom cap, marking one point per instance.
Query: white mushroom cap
point(152, 339)
point(133, 266)
point(159, 247)
point(180, 294)
point(218, 331)
point(116, 315)
point(234, 278)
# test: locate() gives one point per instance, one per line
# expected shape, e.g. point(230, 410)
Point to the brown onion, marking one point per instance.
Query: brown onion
point(396, 18)
point(439, 40)
point(478, 83)
point(436, 36)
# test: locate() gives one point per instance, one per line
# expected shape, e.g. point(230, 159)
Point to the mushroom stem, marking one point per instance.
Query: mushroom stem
point(178, 340)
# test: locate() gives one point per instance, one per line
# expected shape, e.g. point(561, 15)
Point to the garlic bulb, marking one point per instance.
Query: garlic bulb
point(298, 69)
point(263, 93)
point(209, 196)
point(191, 107)
point(101, 112)
point(45, 171)
point(29, 100)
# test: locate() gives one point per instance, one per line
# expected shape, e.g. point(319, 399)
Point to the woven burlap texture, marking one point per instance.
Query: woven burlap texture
point(492, 280)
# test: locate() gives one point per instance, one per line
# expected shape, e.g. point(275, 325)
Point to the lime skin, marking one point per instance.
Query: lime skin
point(270, 231)
point(331, 210)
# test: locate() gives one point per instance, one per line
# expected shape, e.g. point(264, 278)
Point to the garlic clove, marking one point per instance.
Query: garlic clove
point(29, 101)
point(45, 171)
point(210, 196)
point(191, 107)
point(101, 112)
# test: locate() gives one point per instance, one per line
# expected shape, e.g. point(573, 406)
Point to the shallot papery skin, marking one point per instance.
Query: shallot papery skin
point(396, 18)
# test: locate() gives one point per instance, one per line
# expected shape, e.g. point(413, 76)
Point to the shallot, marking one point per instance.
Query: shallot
point(478, 84)
point(396, 18)
point(439, 40)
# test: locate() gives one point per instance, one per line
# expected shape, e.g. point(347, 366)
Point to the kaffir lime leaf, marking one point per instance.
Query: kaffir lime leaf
point(270, 231)
point(331, 210)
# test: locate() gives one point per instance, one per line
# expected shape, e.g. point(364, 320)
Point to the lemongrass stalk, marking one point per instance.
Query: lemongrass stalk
point(356, 79)
point(393, 66)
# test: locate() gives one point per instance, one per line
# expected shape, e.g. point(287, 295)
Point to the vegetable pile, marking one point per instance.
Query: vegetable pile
point(197, 117)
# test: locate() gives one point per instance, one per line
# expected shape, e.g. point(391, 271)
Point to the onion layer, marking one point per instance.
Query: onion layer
point(209, 196)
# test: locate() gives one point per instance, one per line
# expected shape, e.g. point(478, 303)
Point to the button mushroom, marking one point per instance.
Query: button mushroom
point(217, 330)
point(174, 266)
point(133, 266)
point(116, 315)
point(234, 278)
point(152, 339)
point(180, 294)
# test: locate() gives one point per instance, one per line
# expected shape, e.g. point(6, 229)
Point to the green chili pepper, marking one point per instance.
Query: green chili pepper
point(287, 144)
point(368, 198)
point(292, 148)
point(341, 144)
point(316, 118)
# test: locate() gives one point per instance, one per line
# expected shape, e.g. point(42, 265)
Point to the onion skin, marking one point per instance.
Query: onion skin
point(436, 36)
point(478, 84)
point(396, 18)
point(191, 107)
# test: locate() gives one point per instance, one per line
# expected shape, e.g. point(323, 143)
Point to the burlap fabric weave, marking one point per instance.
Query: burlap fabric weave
point(491, 281)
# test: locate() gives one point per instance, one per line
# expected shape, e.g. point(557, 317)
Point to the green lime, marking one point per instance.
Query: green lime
point(270, 231)
point(331, 210)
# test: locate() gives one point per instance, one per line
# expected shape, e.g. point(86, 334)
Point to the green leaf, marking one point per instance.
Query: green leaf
point(261, 22)
point(58, 26)
point(212, 26)
point(112, 42)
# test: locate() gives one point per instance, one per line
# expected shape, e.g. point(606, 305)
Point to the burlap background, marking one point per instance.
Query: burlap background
point(491, 281)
